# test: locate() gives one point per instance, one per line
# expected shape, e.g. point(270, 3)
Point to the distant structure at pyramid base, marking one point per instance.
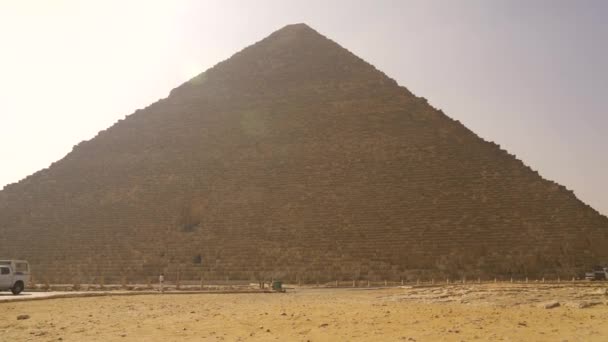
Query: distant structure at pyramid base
point(294, 159)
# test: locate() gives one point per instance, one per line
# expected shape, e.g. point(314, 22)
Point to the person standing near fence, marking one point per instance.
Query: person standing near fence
point(161, 281)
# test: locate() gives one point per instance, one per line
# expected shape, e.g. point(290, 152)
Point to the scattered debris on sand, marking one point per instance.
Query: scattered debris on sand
point(487, 312)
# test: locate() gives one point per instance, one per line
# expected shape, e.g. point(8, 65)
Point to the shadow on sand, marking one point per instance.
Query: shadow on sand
point(8, 294)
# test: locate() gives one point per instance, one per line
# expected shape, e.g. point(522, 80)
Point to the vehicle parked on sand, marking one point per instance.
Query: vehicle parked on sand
point(598, 273)
point(14, 275)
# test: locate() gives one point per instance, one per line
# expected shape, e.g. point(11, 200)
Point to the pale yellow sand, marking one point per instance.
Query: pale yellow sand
point(456, 313)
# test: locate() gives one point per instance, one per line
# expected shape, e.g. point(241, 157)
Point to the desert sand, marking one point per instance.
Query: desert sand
point(507, 312)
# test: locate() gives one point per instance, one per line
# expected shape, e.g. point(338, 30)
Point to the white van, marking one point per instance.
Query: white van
point(14, 275)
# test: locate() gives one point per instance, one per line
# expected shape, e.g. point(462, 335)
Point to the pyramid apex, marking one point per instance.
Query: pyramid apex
point(289, 56)
point(297, 26)
point(295, 30)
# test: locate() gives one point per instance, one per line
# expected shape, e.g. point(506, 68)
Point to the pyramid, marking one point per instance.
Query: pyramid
point(294, 159)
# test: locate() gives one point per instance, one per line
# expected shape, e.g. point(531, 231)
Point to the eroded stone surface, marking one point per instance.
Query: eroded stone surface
point(294, 159)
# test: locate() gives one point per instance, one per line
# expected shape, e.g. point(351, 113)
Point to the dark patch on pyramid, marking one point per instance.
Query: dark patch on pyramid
point(295, 159)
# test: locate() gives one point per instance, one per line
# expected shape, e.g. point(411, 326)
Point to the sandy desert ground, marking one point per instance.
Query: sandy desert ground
point(488, 312)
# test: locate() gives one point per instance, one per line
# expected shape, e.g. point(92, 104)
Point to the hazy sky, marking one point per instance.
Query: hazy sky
point(531, 76)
